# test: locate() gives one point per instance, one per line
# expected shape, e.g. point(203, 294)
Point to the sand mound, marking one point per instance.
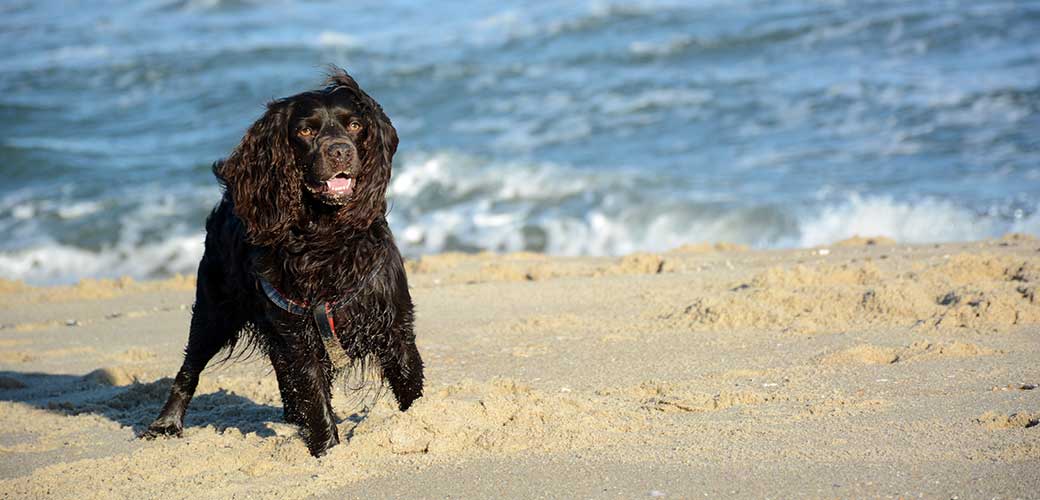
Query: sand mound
point(922, 349)
point(978, 292)
point(638, 263)
point(994, 421)
point(501, 416)
point(114, 376)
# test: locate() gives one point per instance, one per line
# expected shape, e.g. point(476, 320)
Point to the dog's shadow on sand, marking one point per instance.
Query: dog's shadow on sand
point(135, 405)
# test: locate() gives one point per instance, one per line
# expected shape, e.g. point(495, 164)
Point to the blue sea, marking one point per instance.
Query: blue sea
point(566, 127)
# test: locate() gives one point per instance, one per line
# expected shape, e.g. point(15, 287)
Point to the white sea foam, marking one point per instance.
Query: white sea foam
point(449, 201)
point(59, 263)
point(144, 231)
point(922, 221)
point(1027, 225)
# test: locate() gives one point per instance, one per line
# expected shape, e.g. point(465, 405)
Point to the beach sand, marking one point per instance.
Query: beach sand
point(863, 369)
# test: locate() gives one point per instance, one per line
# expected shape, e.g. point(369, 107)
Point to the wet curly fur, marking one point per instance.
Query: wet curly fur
point(279, 220)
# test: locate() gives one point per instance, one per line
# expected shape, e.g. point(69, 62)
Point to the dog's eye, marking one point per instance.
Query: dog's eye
point(354, 126)
point(305, 132)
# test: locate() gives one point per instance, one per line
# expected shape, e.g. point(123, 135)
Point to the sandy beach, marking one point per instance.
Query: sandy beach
point(860, 369)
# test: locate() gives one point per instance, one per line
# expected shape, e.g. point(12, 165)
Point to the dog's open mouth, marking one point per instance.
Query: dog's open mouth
point(337, 189)
point(340, 185)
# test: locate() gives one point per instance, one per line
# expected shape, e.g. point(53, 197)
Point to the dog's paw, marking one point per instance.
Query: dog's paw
point(406, 394)
point(163, 429)
point(319, 447)
point(406, 402)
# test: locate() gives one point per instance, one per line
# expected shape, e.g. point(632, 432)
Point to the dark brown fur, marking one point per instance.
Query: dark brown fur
point(275, 223)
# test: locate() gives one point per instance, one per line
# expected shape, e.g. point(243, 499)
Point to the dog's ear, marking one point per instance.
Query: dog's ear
point(386, 136)
point(377, 156)
point(382, 139)
point(262, 178)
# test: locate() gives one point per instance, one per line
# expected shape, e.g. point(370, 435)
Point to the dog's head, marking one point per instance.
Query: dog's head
point(328, 150)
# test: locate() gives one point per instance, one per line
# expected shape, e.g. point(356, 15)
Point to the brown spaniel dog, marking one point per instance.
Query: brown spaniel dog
point(300, 261)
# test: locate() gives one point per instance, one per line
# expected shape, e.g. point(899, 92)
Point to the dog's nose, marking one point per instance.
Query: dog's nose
point(341, 152)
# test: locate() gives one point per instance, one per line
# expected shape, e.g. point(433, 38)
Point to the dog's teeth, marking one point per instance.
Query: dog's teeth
point(340, 185)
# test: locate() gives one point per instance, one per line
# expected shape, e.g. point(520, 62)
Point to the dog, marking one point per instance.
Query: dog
point(299, 260)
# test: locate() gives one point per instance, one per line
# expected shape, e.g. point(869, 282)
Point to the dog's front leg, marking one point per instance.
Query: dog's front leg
point(283, 371)
point(403, 370)
point(309, 379)
point(213, 327)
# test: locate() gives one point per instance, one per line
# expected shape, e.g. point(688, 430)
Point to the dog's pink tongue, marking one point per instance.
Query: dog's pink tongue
point(340, 186)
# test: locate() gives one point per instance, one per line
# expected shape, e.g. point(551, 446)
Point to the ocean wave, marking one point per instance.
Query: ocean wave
point(139, 230)
point(446, 201)
point(57, 263)
point(920, 221)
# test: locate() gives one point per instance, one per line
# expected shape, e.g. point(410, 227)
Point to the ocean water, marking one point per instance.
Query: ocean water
point(567, 127)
